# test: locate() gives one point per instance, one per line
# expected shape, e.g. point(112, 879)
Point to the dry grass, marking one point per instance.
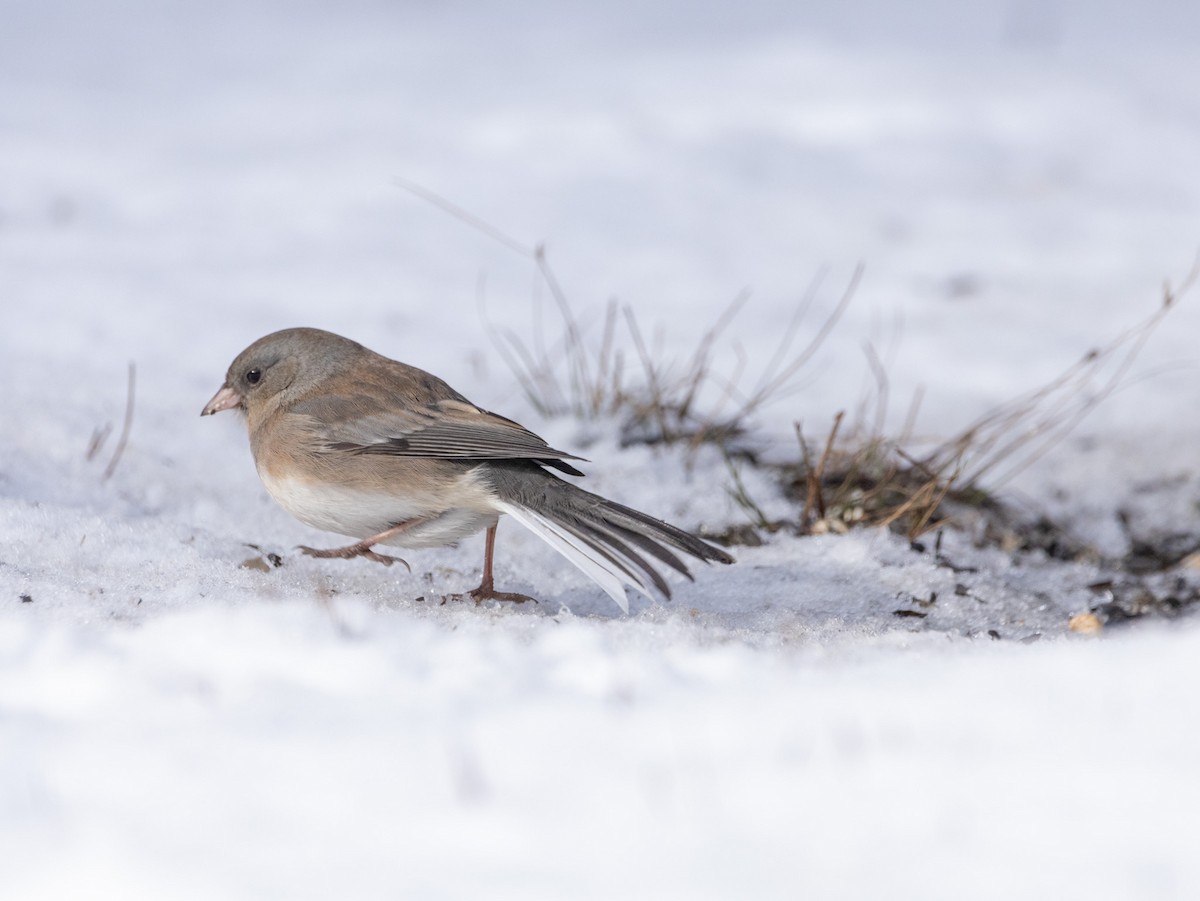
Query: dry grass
point(609, 369)
point(100, 434)
point(592, 366)
point(864, 478)
point(857, 475)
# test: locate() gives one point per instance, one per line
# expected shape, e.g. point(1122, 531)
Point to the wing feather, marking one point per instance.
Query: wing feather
point(449, 429)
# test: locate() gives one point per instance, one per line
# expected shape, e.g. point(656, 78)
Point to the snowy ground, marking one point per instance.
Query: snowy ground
point(1019, 180)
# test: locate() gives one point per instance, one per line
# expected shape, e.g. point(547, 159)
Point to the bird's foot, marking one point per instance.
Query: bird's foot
point(486, 592)
point(362, 549)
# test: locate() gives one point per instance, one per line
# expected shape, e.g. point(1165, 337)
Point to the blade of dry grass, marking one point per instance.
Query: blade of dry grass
point(126, 425)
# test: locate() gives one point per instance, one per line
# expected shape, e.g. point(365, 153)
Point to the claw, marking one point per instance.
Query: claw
point(362, 549)
point(487, 593)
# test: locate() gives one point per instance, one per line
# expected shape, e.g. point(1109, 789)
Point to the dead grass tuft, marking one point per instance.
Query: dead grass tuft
point(615, 371)
point(857, 474)
point(593, 367)
point(864, 478)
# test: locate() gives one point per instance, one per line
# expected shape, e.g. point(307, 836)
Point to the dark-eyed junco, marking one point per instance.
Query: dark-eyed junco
point(352, 442)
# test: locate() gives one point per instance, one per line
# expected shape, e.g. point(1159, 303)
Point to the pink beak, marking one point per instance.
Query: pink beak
point(224, 399)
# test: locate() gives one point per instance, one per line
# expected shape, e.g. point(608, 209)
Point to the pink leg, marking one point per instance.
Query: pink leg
point(487, 589)
point(363, 548)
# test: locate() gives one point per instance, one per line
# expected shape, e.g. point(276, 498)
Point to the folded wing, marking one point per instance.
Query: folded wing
point(449, 429)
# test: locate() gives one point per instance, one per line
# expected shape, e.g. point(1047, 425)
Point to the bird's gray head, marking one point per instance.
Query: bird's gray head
point(280, 365)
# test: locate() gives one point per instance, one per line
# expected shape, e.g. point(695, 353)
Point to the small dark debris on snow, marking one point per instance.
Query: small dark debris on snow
point(738, 535)
point(940, 559)
point(260, 563)
point(1155, 552)
point(1159, 554)
point(999, 525)
point(946, 563)
point(928, 602)
point(26, 599)
point(915, 614)
point(1134, 598)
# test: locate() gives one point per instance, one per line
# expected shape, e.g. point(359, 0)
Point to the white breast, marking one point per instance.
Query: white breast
point(360, 514)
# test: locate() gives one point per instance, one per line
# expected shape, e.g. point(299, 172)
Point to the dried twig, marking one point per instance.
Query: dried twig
point(813, 495)
point(96, 442)
point(463, 215)
point(125, 426)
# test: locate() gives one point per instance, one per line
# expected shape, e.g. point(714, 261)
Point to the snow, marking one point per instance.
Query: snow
point(499, 758)
point(181, 718)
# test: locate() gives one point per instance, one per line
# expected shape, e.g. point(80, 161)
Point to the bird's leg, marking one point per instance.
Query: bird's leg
point(487, 589)
point(363, 548)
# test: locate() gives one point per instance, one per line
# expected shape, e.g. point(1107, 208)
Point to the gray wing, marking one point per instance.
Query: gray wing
point(450, 428)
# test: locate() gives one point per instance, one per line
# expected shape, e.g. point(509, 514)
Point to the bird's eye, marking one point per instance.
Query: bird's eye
point(254, 376)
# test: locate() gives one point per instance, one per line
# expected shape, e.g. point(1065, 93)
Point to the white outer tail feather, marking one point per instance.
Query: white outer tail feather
point(602, 571)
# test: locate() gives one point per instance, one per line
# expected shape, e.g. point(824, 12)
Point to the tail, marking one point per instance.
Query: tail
point(606, 540)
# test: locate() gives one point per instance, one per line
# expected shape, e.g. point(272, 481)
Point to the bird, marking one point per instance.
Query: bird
point(352, 442)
